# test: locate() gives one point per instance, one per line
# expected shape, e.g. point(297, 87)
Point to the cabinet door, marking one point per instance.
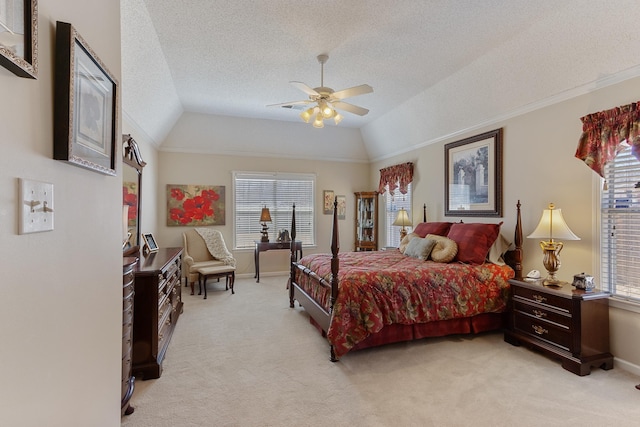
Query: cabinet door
point(366, 227)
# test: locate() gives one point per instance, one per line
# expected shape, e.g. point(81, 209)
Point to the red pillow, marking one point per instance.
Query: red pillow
point(474, 240)
point(437, 228)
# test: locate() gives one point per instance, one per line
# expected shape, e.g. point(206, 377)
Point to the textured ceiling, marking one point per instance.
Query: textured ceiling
point(233, 58)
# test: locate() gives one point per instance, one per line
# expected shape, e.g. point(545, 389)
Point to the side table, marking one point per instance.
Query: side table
point(268, 246)
point(563, 322)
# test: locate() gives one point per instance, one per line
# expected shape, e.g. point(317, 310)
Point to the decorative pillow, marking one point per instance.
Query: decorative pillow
point(406, 240)
point(445, 249)
point(497, 250)
point(474, 240)
point(420, 248)
point(437, 228)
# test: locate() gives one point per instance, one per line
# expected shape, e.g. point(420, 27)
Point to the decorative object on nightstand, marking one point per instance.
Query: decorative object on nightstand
point(403, 221)
point(569, 324)
point(265, 217)
point(552, 226)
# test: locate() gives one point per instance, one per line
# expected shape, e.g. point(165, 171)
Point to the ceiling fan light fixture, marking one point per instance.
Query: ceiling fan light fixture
point(326, 110)
point(337, 118)
point(318, 123)
point(306, 115)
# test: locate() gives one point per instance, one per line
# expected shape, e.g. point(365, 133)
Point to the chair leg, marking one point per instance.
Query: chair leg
point(204, 285)
point(193, 284)
point(233, 281)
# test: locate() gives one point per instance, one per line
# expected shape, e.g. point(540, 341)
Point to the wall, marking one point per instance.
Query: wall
point(539, 167)
point(61, 322)
point(341, 177)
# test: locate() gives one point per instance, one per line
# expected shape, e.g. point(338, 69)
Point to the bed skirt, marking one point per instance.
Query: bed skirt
point(398, 333)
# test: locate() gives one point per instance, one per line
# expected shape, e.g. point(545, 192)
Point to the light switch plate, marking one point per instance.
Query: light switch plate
point(35, 206)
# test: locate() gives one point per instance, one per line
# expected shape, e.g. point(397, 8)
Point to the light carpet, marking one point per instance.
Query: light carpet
point(250, 360)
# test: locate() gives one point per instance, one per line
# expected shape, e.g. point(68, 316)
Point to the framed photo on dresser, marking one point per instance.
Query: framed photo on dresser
point(150, 242)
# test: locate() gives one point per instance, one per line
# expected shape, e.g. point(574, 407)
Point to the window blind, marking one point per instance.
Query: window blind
point(278, 192)
point(620, 227)
point(392, 205)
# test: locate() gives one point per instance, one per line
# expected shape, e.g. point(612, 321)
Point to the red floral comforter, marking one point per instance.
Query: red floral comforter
point(381, 288)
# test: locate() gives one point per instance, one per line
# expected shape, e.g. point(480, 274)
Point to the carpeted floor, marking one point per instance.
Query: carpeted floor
point(250, 360)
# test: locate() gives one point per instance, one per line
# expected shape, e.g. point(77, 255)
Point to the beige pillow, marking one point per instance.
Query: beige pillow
point(406, 240)
point(499, 247)
point(445, 249)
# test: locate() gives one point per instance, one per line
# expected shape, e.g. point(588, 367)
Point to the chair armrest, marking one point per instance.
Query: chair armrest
point(188, 261)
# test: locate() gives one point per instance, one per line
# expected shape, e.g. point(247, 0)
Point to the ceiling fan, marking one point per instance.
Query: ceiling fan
point(326, 101)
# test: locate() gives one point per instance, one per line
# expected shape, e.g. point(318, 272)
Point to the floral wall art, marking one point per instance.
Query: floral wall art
point(195, 205)
point(130, 198)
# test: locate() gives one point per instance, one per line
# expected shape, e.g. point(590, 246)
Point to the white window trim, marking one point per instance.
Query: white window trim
point(614, 301)
point(284, 175)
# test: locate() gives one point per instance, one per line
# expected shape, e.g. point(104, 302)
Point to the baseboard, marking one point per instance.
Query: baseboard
point(626, 366)
point(264, 274)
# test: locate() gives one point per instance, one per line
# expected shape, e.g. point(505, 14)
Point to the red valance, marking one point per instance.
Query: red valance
point(396, 176)
point(604, 134)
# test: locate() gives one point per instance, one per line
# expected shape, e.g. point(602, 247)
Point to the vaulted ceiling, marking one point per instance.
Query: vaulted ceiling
point(436, 66)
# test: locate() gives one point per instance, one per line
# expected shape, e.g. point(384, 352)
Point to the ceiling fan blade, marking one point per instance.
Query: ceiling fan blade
point(350, 108)
point(306, 89)
point(352, 91)
point(285, 104)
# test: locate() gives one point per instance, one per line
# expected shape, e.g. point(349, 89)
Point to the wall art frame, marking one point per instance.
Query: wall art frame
point(328, 197)
point(342, 207)
point(85, 106)
point(19, 37)
point(473, 176)
point(192, 205)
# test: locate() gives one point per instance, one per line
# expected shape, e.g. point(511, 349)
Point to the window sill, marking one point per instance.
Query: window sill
point(623, 304)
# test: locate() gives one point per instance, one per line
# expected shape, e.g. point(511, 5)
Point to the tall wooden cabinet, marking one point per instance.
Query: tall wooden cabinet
point(157, 306)
point(127, 334)
point(366, 237)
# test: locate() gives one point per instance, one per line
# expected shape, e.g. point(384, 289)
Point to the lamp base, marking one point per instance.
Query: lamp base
point(265, 233)
point(554, 282)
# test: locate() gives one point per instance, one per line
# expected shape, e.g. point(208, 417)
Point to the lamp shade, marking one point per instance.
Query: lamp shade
point(402, 219)
point(552, 226)
point(265, 216)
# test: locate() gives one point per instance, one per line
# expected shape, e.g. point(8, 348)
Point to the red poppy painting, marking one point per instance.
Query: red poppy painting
point(130, 198)
point(195, 205)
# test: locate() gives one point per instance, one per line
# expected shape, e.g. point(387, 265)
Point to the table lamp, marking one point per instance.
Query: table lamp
point(265, 217)
point(402, 220)
point(552, 226)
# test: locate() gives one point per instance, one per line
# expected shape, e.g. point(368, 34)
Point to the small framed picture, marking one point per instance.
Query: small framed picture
point(150, 242)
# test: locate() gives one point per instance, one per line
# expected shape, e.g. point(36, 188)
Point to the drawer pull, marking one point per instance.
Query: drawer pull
point(539, 298)
point(539, 314)
point(539, 330)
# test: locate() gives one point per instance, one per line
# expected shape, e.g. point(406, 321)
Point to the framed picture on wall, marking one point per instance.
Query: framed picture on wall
point(85, 105)
point(328, 199)
point(473, 175)
point(342, 206)
point(19, 37)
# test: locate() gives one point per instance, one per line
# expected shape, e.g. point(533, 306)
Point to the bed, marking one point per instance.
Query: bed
point(365, 299)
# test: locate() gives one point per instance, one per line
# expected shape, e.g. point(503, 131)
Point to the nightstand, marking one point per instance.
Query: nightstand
point(563, 322)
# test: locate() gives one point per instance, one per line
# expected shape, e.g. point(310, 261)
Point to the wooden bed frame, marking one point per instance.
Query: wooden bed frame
point(321, 318)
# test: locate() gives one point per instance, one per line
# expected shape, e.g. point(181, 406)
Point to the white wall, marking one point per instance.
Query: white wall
point(341, 177)
point(61, 322)
point(539, 167)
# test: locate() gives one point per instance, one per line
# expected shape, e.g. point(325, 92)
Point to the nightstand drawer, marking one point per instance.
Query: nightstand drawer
point(542, 312)
point(547, 331)
point(545, 298)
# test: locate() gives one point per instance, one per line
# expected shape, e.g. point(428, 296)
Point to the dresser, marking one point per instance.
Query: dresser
point(127, 334)
point(157, 306)
point(569, 324)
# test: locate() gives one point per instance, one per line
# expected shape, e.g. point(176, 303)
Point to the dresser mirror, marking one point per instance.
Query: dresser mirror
point(132, 165)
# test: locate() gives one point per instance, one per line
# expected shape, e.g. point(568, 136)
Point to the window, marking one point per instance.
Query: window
point(393, 205)
point(278, 192)
point(620, 227)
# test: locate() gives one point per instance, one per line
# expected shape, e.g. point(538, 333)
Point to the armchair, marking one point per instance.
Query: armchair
point(196, 255)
